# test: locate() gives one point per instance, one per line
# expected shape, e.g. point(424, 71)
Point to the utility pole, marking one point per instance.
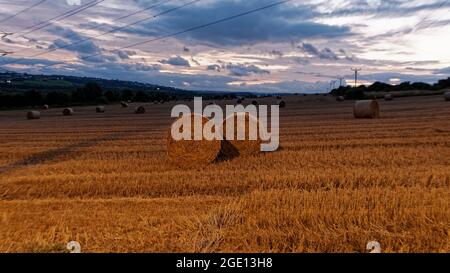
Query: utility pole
point(341, 79)
point(356, 70)
point(332, 85)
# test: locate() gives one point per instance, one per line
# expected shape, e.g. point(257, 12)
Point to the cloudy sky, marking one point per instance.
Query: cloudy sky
point(299, 46)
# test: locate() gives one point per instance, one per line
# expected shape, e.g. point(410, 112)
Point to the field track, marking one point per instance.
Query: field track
point(103, 179)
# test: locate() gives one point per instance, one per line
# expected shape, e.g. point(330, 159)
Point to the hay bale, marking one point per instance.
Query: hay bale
point(366, 109)
point(255, 102)
point(45, 107)
point(340, 98)
point(139, 110)
point(388, 97)
point(192, 153)
point(234, 147)
point(447, 96)
point(282, 104)
point(33, 115)
point(100, 109)
point(124, 104)
point(68, 111)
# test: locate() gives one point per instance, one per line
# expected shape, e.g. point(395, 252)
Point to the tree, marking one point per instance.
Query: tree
point(141, 96)
point(127, 94)
point(33, 97)
point(379, 87)
point(78, 95)
point(57, 98)
point(111, 96)
point(92, 91)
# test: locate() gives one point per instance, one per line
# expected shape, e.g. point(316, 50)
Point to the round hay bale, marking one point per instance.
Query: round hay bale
point(100, 109)
point(68, 112)
point(366, 109)
point(447, 96)
point(139, 110)
point(124, 104)
point(388, 97)
point(254, 102)
point(282, 104)
point(234, 147)
point(45, 107)
point(33, 115)
point(192, 153)
point(340, 98)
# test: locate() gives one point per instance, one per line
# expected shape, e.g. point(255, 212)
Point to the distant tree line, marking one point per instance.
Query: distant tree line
point(90, 93)
point(359, 92)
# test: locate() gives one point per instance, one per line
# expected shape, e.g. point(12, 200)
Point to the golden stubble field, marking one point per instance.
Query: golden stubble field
point(104, 180)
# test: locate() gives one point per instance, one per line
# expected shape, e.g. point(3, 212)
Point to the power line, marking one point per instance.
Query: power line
point(60, 17)
point(141, 10)
point(119, 28)
point(229, 18)
point(418, 25)
point(121, 18)
point(22, 11)
point(116, 29)
point(190, 29)
point(4, 53)
point(4, 34)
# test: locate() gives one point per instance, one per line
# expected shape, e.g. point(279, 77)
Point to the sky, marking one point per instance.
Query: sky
point(299, 46)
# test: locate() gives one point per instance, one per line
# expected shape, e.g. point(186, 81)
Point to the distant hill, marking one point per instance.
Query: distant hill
point(19, 90)
point(18, 82)
point(11, 81)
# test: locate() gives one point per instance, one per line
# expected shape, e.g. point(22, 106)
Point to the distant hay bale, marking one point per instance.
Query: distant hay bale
point(139, 110)
point(282, 104)
point(340, 98)
point(192, 153)
point(33, 115)
point(100, 109)
point(366, 109)
point(68, 112)
point(388, 97)
point(447, 96)
point(124, 104)
point(45, 107)
point(255, 102)
point(234, 147)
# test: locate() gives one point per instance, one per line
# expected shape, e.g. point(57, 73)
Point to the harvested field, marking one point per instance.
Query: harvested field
point(335, 184)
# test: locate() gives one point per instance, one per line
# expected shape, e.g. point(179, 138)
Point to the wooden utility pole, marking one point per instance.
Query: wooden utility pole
point(356, 70)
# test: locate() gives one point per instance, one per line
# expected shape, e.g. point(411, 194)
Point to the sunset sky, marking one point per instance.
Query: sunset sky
point(299, 46)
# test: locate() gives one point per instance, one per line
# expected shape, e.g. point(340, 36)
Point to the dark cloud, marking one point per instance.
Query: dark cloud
point(276, 53)
point(69, 37)
point(214, 67)
point(125, 54)
point(176, 61)
point(241, 70)
point(326, 53)
point(278, 24)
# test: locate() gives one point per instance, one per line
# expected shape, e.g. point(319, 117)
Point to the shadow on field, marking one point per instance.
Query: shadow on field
point(52, 155)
